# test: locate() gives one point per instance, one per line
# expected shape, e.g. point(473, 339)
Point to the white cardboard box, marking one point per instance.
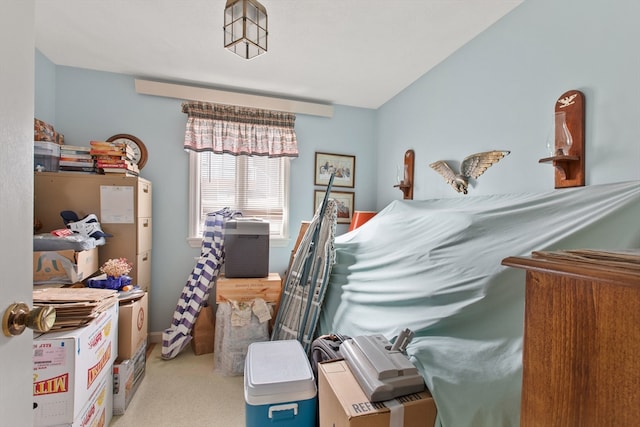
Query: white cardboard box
point(98, 411)
point(127, 376)
point(68, 367)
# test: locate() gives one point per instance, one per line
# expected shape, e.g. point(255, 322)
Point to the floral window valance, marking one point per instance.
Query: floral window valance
point(239, 130)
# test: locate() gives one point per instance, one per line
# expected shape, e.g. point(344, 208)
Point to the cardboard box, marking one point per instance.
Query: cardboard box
point(68, 367)
point(99, 408)
point(344, 404)
point(127, 376)
point(65, 266)
point(245, 289)
point(132, 325)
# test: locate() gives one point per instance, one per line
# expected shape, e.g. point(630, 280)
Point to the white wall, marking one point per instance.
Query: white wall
point(16, 203)
point(499, 92)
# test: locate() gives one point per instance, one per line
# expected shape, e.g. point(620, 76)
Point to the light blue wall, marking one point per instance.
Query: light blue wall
point(96, 105)
point(45, 89)
point(499, 92)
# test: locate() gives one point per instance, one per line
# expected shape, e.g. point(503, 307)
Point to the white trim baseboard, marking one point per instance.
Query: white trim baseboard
point(155, 337)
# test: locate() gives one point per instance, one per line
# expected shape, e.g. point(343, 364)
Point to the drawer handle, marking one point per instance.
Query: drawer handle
point(145, 223)
point(145, 257)
point(145, 189)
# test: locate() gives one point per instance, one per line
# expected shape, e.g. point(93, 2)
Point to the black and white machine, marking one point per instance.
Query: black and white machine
point(383, 370)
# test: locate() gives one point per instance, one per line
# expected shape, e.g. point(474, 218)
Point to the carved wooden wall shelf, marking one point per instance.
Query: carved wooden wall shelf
point(570, 166)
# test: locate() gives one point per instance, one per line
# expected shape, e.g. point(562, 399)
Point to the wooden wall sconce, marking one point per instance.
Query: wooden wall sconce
point(568, 160)
point(406, 185)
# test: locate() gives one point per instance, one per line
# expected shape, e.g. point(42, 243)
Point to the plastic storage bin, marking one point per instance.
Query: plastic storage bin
point(46, 156)
point(279, 386)
point(246, 244)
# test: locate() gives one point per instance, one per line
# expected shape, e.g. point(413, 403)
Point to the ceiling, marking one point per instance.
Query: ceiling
point(352, 52)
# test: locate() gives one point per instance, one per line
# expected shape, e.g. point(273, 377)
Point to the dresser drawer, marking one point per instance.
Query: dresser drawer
point(144, 270)
point(144, 235)
point(144, 198)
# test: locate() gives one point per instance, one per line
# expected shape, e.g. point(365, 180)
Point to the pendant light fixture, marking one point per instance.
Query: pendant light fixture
point(245, 28)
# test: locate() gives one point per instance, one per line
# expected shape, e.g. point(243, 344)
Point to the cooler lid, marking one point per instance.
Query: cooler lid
point(278, 367)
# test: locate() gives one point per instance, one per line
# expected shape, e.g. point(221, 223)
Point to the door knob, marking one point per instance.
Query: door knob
point(17, 317)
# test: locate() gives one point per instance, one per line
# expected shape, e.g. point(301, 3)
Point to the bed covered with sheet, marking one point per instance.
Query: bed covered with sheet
point(434, 266)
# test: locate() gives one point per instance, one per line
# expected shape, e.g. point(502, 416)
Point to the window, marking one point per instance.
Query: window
point(257, 186)
point(239, 159)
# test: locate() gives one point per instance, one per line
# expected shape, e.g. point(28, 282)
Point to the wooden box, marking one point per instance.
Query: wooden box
point(245, 289)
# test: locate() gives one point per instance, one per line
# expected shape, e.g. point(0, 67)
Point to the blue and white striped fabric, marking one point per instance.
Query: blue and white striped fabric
point(196, 292)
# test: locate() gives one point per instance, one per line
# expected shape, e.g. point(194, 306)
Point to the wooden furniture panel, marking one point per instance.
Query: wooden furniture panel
point(581, 343)
point(55, 192)
point(245, 289)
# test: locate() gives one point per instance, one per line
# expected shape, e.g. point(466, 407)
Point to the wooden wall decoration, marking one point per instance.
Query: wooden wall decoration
point(570, 166)
point(406, 185)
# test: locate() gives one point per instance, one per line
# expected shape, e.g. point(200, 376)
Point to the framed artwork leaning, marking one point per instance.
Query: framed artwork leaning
point(344, 201)
point(344, 167)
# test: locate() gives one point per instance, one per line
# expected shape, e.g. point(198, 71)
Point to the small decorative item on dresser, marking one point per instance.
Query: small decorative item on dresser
point(115, 271)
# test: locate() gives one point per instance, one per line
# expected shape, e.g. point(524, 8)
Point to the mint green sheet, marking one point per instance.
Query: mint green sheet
point(434, 266)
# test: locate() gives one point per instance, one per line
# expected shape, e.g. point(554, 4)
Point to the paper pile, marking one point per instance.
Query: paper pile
point(75, 307)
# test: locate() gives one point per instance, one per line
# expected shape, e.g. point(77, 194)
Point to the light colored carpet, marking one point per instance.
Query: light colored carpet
point(184, 391)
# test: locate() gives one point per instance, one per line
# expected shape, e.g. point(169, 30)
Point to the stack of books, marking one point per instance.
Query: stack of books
point(74, 158)
point(114, 158)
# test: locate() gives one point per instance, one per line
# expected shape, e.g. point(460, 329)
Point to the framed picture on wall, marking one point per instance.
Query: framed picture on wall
point(342, 198)
point(344, 167)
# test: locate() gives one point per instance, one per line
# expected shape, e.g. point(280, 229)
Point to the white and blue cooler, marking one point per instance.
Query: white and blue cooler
point(279, 386)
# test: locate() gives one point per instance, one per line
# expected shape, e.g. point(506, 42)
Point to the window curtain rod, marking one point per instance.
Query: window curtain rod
point(194, 93)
